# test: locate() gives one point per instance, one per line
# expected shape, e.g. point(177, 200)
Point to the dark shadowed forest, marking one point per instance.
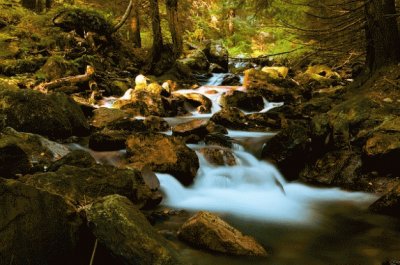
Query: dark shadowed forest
point(166, 132)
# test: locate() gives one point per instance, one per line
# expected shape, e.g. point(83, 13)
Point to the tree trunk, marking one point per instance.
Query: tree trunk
point(382, 34)
point(157, 36)
point(172, 15)
point(135, 25)
point(36, 5)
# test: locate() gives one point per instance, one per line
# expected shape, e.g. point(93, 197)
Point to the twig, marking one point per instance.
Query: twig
point(93, 253)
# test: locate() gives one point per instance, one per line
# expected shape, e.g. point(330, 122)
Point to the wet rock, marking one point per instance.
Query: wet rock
point(194, 127)
point(196, 61)
point(163, 154)
point(104, 116)
point(218, 139)
point(217, 53)
point(22, 153)
point(150, 123)
point(83, 185)
point(242, 100)
point(53, 115)
point(13, 161)
point(77, 158)
point(199, 101)
point(388, 204)
point(290, 149)
point(108, 140)
point(35, 226)
point(381, 152)
point(219, 156)
point(274, 90)
point(231, 80)
point(231, 118)
point(144, 103)
point(338, 168)
point(215, 68)
point(125, 232)
point(208, 231)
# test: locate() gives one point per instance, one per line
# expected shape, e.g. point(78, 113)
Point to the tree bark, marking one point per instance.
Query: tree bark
point(382, 34)
point(156, 28)
point(135, 25)
point(174, 28)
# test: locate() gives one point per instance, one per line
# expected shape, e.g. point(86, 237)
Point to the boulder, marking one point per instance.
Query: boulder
point(150, 123)
point(219, 156)
point(218, 139)
point(215, 68)
point(207, 231)
point(196, 61)
point(231, 118)
point(194, 127)
point(53, 115)
point(22, 153)
point(197, 100)
point(144, 103)
point(381, 151)
point(242, 100)
point(77, 158)
point(108, 140)
point(276, 72)
point(57, 67)
point(337, 168)
point(83, 185)
point(217, 53)
point(36, 227)
point(105, 116)
point(164, 154)
point(388, 204)
point(121, 228)
point(274, 90)
point(290, 149)
point(231, 80)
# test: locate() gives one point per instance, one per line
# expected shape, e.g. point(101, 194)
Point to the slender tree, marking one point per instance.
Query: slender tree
point(382, 34)
point(174, 28)
point(135, 24)
point(157, 35)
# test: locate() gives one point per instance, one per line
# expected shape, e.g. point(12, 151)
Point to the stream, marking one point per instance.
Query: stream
point(298, 224)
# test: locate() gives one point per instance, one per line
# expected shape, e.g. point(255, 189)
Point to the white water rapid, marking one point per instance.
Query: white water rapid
point(252, 189)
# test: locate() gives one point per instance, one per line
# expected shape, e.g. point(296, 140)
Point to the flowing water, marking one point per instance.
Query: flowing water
point(298, 224)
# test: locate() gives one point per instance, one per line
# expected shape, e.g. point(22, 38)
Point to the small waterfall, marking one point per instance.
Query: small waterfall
point(253, 189)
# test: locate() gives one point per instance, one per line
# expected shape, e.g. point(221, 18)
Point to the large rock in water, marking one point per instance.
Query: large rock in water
point(163, 154)
point(242, 100)
point(126, 233)
point(83, 185)
point(388, 204)
point(218, 54)
point(22, 153)
point(53, 115)
point(208, 231)
point(36, 227)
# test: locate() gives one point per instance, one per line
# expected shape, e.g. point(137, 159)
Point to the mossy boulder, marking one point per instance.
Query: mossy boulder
point(57, 67)
point(242, 100)
point(122, 229)
point(164, 154)
point(207, 231)
point(23, 153)
point(36, 227)
point(82, 185)
point(53, 115)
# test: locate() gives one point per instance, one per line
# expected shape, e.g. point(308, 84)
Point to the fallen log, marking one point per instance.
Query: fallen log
point(66, 81)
